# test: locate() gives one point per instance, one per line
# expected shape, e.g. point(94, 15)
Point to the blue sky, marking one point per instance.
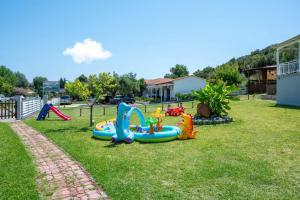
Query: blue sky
point(145, 37)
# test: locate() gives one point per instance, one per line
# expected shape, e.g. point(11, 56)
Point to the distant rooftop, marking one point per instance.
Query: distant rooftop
point(261, 68)
point(158, 81)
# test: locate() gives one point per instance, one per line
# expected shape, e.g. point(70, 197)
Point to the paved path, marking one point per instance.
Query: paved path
point(59, 177)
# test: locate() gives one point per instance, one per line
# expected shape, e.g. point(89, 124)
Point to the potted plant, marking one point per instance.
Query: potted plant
point(213, 99)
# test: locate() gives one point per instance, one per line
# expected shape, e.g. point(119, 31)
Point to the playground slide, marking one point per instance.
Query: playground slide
point(59, 113)
point(46, 109)
point(44, 112)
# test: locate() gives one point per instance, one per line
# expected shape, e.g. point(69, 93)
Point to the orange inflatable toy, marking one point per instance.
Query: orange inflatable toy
point(187, 128)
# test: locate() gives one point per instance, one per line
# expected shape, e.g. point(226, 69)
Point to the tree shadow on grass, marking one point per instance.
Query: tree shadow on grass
point(113, 144)
point(285, 106)
point(51, 119)
point(68, 130)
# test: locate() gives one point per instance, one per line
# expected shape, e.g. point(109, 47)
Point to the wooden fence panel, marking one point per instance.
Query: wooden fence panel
point(8, 109)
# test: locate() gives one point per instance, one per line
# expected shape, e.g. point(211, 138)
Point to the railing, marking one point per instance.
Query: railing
point(241, 91)
point(288, 67)
point(30, 106)
point(101, 110)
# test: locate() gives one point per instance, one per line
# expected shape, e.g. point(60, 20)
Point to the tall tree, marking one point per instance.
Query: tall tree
point(5, 87)
point(77, 90)
point(142, 86)
point(7, 80)
point(7, 75)
point(227, 73)
point(62, 82)
point(38, 84)
point(107, 82)
point(128, 85)
point(104, 83)
point(21, 80)
point(177, 71)
point(82, 78)
point(205, 72)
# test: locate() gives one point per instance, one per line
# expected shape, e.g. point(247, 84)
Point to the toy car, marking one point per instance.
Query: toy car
point(176, 111)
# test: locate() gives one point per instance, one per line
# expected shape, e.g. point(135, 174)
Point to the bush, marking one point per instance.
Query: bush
point(155, 100)
point(216, 97)
point(23, 92)
point(184, 97)
point(227, 73)
point(143, 99)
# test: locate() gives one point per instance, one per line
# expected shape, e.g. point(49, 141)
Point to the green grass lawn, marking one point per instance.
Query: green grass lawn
point(17, 172)
point(255, 157)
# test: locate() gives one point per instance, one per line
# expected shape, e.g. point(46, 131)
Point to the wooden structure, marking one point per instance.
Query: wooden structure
point(8, 109)
point(261, 80)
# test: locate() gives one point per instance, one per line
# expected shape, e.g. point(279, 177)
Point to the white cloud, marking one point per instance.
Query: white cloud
point(87, 51)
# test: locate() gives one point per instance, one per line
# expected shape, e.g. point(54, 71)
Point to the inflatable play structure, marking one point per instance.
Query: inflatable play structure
point(187, 128)
point(174, 111)
point(149, 130)
point(46, 108)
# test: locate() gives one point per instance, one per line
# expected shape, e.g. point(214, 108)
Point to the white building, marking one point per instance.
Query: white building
point(288, 73)
point(166, 88)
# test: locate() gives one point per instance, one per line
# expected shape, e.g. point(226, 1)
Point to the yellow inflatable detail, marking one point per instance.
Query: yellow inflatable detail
point(100, 125)
point(159, 118)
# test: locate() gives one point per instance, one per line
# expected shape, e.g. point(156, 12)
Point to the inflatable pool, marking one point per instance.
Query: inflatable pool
point(104, 130)
point(103, 135)
point(123, 131)
point(168, 133)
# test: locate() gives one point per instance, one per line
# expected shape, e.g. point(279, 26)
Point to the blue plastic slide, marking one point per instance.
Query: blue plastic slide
point(44, 112)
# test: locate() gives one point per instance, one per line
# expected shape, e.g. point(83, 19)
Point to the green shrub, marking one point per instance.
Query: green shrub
point(216, 97)
point(227, 73)
point(155, 100)
point(184, 97)
point(143, 99)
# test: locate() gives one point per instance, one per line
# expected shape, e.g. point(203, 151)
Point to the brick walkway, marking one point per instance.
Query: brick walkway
point(59, 177)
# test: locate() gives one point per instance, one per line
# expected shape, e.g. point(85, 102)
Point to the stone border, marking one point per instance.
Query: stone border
point(212, 120)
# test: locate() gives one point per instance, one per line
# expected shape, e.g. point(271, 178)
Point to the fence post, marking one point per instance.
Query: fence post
point(145, 108)
point(45, 99)
point(80, 112)
point(192, 104)
point(91, 115)
point(19, 107)
point(103, 110)
point(162, 106)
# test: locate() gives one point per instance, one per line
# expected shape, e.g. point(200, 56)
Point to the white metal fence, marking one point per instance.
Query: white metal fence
point(30, 106)
point(288, 67)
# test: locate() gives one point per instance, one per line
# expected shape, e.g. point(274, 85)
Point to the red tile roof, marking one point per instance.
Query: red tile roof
point(158, 81)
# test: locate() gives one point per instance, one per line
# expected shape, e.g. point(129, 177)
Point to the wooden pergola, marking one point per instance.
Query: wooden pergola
point(265, 82)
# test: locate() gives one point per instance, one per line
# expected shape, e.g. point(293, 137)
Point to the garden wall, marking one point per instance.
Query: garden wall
point(288, 89)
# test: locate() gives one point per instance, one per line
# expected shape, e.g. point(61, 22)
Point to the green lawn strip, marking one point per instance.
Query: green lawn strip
point(255, 157)
point(17, 171)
